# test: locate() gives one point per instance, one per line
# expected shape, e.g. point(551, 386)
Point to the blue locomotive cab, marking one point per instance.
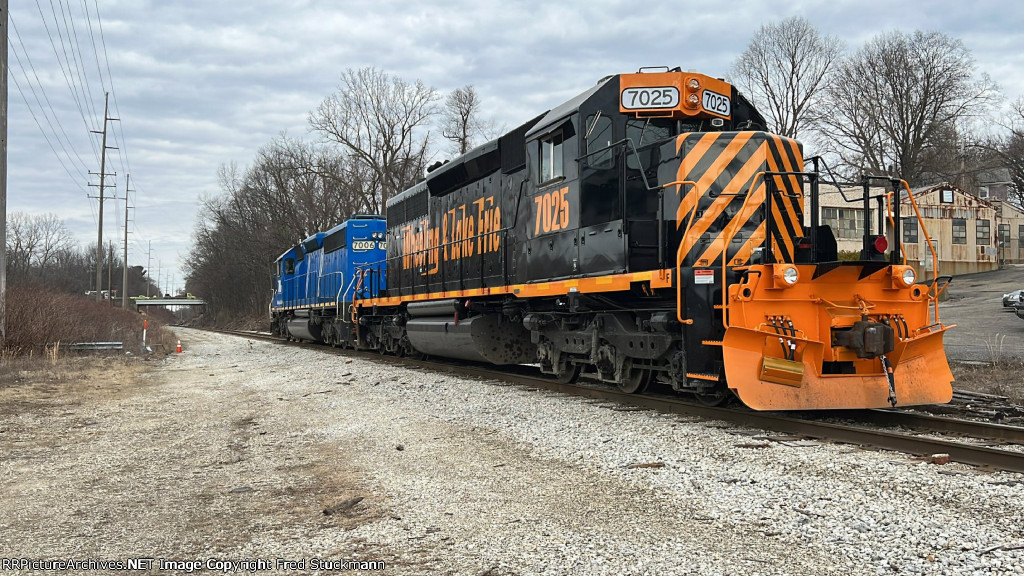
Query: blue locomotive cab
point(354, 255)
point(317, 280)
point(290, 274)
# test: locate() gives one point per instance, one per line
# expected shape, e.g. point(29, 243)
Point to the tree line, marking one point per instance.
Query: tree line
point(41, 251)
point(370, 140)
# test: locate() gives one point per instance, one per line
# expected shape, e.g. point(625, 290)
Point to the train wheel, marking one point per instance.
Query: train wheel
point(568, 373)
point(715, 396)
point(636, 382)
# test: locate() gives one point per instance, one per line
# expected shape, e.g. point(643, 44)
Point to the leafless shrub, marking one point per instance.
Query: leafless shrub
point(38, 317)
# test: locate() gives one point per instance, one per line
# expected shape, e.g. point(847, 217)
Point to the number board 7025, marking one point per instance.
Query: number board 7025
point(650, 97)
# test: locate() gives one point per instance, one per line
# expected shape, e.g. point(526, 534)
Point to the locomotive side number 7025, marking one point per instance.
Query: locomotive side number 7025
point(717, 103)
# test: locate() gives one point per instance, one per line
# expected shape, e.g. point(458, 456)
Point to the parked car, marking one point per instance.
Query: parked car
point(1018, 309)
point(1013, 298)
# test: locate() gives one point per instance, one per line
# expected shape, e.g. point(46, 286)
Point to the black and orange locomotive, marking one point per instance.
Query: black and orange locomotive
point(651, 230)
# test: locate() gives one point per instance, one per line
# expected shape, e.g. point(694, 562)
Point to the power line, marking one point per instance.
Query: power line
point(80, 67)
point(45, 136)
point(126, 165)
point(70, 28)
point(39, 101)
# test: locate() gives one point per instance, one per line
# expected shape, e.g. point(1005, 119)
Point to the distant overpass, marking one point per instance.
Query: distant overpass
point(170, 302)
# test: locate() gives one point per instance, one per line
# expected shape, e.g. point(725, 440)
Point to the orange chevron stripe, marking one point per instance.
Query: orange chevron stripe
point(749, 169)
point(777, 213)
point(685, 167)
point(794, 181)
point(713, 253)
point(794, 206)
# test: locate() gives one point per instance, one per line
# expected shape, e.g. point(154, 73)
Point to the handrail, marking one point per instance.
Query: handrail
point(679, 259)
point(892, 223)
point(730, 231)
point(928, 240)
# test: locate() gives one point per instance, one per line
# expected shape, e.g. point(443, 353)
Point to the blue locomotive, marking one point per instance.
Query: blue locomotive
point(316, 280)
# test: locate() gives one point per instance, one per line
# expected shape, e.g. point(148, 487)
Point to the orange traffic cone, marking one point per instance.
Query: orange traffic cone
point(179, 346)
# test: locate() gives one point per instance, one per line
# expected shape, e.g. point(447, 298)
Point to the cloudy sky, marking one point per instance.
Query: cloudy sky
point(200, 84)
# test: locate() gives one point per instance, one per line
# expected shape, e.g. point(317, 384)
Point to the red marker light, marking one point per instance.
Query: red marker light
point(881, 244)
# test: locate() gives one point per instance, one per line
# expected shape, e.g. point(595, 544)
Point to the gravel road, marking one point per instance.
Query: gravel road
point(235, 449)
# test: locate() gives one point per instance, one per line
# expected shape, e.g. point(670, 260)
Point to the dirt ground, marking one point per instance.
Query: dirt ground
point(107, 459)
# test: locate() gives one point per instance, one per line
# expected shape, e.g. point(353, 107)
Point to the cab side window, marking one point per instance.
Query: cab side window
point(551, 157)
point(289, 266)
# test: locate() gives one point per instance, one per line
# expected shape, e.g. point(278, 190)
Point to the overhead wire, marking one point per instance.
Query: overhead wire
point(77, 56)
point(72, 59)
point(43, 131)
point(66, 72)
point(122, 153)
point(43, 107)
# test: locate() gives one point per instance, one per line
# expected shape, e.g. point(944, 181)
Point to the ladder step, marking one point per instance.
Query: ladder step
point(718, 306)
point(712, 377)
point(711, 342)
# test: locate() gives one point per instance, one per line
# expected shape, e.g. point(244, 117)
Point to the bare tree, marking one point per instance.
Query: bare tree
point(379, 120)
point(1011, 151)
point(897, 96)
point(34, 241)
point(785, 69)
point(54, 237)
point(461, 122)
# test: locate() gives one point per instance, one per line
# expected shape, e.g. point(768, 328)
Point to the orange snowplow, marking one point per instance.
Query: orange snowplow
point(798, 338)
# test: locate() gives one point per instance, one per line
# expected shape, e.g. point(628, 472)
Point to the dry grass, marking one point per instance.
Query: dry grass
point(42, 324)
point(1004, 377)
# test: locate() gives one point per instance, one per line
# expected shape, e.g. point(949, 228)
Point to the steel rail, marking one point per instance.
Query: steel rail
point(965, 453)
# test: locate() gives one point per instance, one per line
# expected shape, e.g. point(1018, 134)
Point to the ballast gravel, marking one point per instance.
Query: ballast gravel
point(256, 450)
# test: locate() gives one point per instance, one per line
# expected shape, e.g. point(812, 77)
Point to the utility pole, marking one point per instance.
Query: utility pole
point(110, 275)
point(124, 283)
point(4, 19)
point(149, 265)
point(103, 170)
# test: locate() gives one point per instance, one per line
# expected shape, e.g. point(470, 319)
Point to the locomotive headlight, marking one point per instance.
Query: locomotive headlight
point(905, 277)
point(692, 100)
point(790, 275)
point(693, 85)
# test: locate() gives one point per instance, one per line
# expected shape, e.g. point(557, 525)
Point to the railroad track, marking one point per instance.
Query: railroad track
point(975, 446)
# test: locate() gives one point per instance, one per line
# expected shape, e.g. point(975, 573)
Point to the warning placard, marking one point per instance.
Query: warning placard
point(703, 276)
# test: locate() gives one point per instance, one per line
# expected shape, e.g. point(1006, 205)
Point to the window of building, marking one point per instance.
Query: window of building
point(983, 233)
point(551, 158)
point(1004, 234)
point(983, 192)
point(846, 223)
point(909, 230)
point(946, 196)
point(959, 231)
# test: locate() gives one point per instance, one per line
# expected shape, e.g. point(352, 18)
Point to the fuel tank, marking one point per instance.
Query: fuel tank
point(304, 329)
point(486, 338)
